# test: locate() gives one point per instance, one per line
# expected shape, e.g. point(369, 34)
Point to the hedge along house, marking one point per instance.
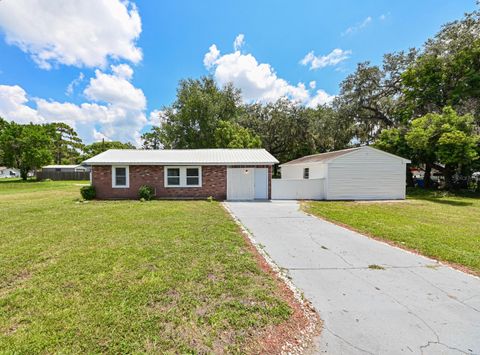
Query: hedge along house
point(233, 174)
point(362, 173)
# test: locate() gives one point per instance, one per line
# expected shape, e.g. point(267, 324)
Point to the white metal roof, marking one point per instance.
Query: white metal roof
point(183, 157)
point(329, 156)
point(60, 166)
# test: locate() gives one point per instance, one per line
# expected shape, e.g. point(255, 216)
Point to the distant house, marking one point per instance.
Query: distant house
point(9, 172)
point(361, 173)
point(234, 174)
point(65, 168)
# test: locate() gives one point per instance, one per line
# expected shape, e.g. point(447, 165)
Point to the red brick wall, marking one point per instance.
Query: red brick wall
point(214, 182)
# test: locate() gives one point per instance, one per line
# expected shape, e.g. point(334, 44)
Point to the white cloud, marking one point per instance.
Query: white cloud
point(239, 41)
point(116, 89)
point(116, 110)
point(357, 27)
point(13, 106)
point(156, 117)
point(73, 84)
point(320, 98)
point(211, 56)
point(384, 16)
point(258, 81)
point(312, 84)
point(333, 58)
point(78, 33)
point(98, 136)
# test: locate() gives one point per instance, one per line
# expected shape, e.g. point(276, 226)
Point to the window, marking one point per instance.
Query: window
point(173, 176)
point(120, 176)
point(193, 176)
point(306, 173)
point(183, 176)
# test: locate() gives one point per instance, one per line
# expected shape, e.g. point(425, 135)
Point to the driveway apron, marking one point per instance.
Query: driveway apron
point(373, 298)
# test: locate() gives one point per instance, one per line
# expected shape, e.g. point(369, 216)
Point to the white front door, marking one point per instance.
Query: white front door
point(261, 183)
point(240, 184)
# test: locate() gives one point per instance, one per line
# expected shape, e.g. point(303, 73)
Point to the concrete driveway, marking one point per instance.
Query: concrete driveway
point(413, 305)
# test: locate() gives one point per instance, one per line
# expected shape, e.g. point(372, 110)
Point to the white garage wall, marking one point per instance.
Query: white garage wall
point(366, 174)
point(298, 189)
point(317, 171)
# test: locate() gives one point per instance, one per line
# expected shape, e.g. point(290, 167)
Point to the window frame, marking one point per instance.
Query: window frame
point(183, 176)
point(114, 177)
point(306, 173)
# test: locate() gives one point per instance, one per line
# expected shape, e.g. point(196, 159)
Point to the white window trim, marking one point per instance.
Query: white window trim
point(183, 176)
point(127, 172)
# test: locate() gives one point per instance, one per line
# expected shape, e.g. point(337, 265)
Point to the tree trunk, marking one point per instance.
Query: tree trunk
point(448, 174)
point(427, 181)
point(24, 173)
point(410, 182)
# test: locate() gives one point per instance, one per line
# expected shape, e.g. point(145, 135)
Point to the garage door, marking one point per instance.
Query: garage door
point(247, 183)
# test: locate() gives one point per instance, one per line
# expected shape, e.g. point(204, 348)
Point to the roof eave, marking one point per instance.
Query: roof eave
point(177, 163)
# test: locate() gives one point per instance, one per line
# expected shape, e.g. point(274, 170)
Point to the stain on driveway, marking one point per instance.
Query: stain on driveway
point(373, 298)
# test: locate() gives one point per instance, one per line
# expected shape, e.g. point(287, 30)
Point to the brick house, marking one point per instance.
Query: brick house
point(234, 174)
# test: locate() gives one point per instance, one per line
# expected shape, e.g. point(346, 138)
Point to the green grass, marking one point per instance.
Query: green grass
point(125, 276)
point(436, 224)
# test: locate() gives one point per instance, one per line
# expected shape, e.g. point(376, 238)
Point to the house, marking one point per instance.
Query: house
point(362, 173)
point(9, 172)
point(65, 168)
point(234, 174)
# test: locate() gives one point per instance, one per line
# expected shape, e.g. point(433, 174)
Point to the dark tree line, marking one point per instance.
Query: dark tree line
point(31, 146)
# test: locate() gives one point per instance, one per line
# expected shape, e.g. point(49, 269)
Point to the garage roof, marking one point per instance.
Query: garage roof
point(324, 157)
point(183, 157)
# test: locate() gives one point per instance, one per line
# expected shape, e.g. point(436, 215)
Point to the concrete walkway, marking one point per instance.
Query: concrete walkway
point(411, 306)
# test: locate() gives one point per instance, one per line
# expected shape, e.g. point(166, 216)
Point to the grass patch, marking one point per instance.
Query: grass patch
point(376, 267)
point(437, 224)
point(125, 276)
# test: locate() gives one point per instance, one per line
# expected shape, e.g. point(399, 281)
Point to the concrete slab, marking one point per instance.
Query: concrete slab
point(413, 305)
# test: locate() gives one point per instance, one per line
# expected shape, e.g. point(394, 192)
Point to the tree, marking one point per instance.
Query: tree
point(283, 128)
point(371, 97)
point(330, 130)
point(447, 71)
point(152, 139)
point(66, 143)
point(26, 147)
point(232, 135)
point(446, 138)
point(100, 147)
point(194, 116)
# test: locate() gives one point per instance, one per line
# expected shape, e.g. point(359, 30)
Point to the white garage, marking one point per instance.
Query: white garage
point(247, 183)
point(362, 173)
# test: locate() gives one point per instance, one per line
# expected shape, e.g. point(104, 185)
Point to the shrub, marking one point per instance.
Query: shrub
point(88, 192)
point(146, 192)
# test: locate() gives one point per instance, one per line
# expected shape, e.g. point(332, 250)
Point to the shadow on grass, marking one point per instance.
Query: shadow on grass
point(443, 197)
point(448, 202)
point(17, 180)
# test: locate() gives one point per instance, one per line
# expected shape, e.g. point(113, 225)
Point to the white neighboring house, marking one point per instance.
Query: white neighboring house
point(9, 172)
point(362, 173)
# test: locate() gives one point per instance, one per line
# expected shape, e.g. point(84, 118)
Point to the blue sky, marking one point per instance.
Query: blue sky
point(123, 60)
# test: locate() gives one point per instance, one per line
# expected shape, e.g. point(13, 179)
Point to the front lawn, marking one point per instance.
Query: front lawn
point(126, 276)
point(436, 224)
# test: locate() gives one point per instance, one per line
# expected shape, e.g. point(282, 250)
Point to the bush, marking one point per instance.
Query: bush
point(88, 192)
point(146, 192)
